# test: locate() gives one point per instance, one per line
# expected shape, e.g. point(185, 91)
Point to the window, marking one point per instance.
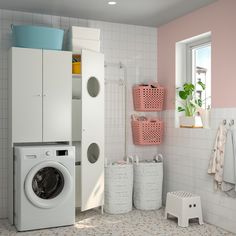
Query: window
point(198, 68)
point(193, 65)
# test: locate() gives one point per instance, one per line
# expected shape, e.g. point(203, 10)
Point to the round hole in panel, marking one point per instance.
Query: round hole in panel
point(93, 152)
point(48, 183)
point(93, 86)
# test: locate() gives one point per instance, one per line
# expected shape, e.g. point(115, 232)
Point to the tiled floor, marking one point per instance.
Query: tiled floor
point(135, 223)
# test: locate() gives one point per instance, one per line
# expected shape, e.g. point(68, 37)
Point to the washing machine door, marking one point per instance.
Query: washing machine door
point(48, 184)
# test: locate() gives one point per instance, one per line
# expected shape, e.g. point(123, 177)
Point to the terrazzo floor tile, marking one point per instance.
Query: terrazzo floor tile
point(135, 223)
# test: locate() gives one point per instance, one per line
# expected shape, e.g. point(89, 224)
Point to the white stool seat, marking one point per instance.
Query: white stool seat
point(184, 206)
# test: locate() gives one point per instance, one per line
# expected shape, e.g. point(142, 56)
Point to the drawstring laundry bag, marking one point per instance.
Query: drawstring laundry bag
point(148, 179)
point(118, 187)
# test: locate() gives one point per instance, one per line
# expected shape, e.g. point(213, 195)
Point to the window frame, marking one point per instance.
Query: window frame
point(198, 43)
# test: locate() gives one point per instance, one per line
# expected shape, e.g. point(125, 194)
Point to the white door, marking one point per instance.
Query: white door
point(57, 94)
point(48, 184)
point(92, 144)
point(26, 89)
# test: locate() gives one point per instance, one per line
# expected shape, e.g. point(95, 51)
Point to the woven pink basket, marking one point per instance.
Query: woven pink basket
point(148, 132)
point(147, 98)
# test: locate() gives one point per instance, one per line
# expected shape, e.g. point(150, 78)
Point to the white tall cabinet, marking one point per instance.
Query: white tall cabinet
point(39, 100)
point(88, 118)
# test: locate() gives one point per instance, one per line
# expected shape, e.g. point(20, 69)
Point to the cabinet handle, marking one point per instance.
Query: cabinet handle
point(44, 95)
point(37, 95)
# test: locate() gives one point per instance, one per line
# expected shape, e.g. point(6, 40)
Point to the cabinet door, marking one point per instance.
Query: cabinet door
point(92, 143)
point(57, 94)
point(26, 89)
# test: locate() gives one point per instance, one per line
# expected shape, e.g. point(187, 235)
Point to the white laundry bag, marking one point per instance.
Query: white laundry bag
point(148, 179)
point(118, 188)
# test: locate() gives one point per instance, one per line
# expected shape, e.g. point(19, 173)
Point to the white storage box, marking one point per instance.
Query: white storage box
point(118, 188)
point(148, 178)
point(77, 44)
point(76, 120)
point(84, 33)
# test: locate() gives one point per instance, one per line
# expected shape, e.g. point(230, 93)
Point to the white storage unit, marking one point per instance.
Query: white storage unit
point(39, 99)
point(148, 178)
point(88, 129)
point(40, 95)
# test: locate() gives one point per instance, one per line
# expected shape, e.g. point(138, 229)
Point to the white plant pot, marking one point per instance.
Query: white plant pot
point(190, 121)
point(205, 115)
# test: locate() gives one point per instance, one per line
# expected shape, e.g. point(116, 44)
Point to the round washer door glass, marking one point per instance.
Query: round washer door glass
point(48, 183)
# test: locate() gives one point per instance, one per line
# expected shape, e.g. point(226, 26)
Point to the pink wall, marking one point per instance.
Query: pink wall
point(220, 19)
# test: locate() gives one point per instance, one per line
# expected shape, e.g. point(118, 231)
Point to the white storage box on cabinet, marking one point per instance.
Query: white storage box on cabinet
point(40, 95)
point(76, 45)
point(118, 188)
point(83, 38)
point(148, 178)
point(84, 33)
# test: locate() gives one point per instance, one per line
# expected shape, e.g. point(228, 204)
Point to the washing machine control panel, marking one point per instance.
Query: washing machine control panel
point(48, 153)
point(62, 152)
point(58, 153)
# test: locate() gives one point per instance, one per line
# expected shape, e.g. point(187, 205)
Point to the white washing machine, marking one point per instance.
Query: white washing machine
point(44, 187)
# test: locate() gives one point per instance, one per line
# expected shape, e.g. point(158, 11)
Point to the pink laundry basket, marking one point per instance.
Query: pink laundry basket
point(148, 132)
point(147, 98)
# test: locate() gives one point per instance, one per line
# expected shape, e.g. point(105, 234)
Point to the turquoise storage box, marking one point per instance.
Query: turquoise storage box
point(29, 36)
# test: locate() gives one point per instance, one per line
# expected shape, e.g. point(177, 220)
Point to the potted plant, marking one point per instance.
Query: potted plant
point(190, 103)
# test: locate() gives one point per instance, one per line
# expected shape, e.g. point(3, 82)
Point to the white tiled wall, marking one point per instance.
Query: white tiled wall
point(187, 153)
point(134, 46)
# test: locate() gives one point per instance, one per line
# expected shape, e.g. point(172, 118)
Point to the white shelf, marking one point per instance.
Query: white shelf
point(76, 76)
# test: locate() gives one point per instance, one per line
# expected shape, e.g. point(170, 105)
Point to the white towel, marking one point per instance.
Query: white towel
point(217, 157)
point(229, 159)
point(229, 170)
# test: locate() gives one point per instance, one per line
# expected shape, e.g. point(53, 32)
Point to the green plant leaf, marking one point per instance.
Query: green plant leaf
point(183, 95)
point(202, 85)
point(199, 102)
point(180, 109)
point(190, 99)
point(188, 88)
